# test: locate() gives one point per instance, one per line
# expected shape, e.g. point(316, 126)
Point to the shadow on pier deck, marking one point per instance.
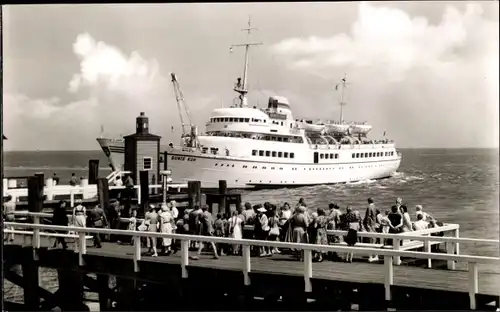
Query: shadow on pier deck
point(277, 282)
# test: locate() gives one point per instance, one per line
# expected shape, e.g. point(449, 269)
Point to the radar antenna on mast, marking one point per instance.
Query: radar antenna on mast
point(241, 85)
point(343, 84)
point(181, 104)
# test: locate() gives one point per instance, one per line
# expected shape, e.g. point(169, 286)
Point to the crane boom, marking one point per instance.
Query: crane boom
point(181, 103)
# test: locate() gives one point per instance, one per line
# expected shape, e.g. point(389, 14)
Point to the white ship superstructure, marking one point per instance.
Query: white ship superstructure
point(260, 148)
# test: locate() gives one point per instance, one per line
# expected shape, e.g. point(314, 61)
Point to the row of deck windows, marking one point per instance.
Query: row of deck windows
point(367, 155)
point(256, 136)
point(236, 119)
point(329, 156)
point(273, 154)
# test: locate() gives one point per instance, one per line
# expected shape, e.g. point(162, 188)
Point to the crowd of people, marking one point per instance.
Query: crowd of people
point(261, 222)
point(272, 223)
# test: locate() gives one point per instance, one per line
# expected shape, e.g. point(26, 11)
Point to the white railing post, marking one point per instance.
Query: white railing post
point(138, 189)
point(396, 244)
point(72, 198)
point(427, 248)
point(473, 284)
point(388, 276)
point(457, 244)
point(184, 257)
point(82, 246)
point(137, 252)
point(5, 187)
point(450, 249)
point(36, 233)
point(48, 190)
point(308, 270)
point(246, 264)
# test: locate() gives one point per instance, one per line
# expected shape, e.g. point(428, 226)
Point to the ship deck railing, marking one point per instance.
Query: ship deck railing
point(35, 231)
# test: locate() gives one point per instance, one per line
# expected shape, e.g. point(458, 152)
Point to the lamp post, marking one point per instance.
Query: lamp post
point(165, 174)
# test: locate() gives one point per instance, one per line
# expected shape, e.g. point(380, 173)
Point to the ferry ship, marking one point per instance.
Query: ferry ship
point(265, 148)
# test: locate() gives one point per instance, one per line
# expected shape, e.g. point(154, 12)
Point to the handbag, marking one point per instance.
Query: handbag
point(274, 231)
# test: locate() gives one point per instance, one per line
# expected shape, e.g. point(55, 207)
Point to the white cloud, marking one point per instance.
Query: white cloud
point(114, 88)
point(403, 66)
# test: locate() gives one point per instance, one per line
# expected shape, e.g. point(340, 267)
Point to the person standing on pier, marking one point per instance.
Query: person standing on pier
point(9, 207)
point(60, 218)
point(166, 227)
point(298, 225)
point(73, 181)
point(206, 229)
point(235, 230)
point(174, 210)
point(97, 220)
point(151, 220)
point(55, 179)
point(370, 223)
point(407, 226)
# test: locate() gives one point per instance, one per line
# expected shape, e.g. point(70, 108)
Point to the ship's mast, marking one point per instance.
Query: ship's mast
point(343, 84)
point(241, 85)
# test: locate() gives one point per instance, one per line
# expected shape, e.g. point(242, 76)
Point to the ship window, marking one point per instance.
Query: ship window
point(285, 154)
point(274, 154)
point(370, 155)
point(331, 156)
point(353, 155)
point(280, 154)
point(254, 167)
point(292, 155)
point(261, 153)
point(326, 156)
point(254, 153)
point(242, 119)
point(285, 139)
point(147, 163)
point(272, 168)
point(226, 119)
point(357, 155)
point(263, 167)
point(280, 139)
point(366, 155)
point(231, 119)
point(361, 155)
point(247, 119)
point(336, 156)
point(268, 153)
point(321, 156)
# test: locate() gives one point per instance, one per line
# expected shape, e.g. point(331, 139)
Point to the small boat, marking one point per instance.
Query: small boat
point(360, 129)
point(336, 128)
point(308, 126)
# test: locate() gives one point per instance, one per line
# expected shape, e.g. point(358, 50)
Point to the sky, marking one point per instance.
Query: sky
point(424, 72)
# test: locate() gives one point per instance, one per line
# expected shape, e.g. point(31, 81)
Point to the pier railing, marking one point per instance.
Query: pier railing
point(87, 191)
point(404, 241)
point(35, 231)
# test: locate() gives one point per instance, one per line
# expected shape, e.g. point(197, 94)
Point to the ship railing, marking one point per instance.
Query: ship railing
point(35, 231)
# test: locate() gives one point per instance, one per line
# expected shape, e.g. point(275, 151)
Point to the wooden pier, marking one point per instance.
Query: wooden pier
point(245, 282)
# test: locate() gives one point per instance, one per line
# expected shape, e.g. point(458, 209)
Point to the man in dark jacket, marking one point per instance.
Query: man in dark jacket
point(60, 218)
point(97, 220)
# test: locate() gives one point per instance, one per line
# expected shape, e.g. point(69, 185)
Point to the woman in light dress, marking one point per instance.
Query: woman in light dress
point(151, 220)
point(407, 225)
point(79, 214)
point(235, 230)
point(79, 217)
point(166, 226)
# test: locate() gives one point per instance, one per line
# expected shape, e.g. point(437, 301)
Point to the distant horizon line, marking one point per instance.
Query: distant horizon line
point(403, 148)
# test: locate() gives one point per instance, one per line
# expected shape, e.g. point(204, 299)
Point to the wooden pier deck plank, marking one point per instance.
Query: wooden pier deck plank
point(356, 272)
